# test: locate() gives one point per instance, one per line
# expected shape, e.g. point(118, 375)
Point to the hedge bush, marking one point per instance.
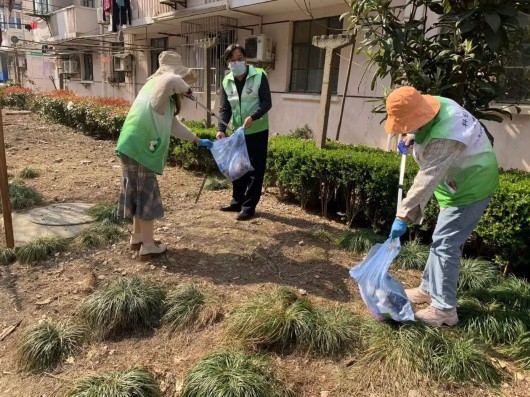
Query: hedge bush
point(15, 97)
point(360, 181)
point(356, 180)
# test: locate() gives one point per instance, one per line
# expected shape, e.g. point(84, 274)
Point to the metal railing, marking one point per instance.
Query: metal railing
point(198, 86)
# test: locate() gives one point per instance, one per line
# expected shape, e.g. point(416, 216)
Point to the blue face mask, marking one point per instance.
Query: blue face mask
point(238, 68)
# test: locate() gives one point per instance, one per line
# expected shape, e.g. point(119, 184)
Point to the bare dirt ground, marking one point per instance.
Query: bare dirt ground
point(233, 260)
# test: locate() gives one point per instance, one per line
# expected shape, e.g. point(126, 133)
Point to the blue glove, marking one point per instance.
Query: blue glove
point(403, 148)
point(205, 143)
point(398, 229)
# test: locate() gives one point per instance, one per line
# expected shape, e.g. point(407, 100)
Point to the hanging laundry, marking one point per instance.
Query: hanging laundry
point(107, 5)
point(121, 14)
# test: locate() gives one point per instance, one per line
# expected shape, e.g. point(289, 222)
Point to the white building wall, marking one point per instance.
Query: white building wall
point(292, 110)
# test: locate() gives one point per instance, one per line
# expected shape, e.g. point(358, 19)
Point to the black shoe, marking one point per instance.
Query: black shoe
point(244, 216)
point(230, 208)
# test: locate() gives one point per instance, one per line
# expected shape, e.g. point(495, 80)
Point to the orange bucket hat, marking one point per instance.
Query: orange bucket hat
point(409, 110)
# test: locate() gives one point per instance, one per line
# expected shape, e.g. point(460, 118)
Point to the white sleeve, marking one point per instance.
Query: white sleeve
point(179, 130)
point(440, 155)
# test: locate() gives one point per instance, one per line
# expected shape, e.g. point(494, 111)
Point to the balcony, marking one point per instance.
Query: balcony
point(68, 22)
point(148, 9)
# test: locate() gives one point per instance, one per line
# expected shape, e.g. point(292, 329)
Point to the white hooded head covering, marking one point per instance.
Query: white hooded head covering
point(171, 62)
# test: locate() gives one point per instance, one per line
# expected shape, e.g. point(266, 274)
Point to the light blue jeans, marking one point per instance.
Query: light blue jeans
point(453, 227)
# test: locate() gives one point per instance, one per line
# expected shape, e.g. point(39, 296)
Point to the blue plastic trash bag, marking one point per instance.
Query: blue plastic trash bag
point(231, 155)
point(382, 293)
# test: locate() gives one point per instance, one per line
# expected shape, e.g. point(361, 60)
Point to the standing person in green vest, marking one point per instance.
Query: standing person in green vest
point(457, 164)
point(246, 99)
point(143, 149)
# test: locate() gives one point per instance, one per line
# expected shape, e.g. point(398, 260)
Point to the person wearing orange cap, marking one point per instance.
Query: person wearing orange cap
point(457, 163)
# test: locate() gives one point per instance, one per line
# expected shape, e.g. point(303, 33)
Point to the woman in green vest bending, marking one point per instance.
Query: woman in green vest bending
point(457, 164)
point(143, 148)
point(246, 99)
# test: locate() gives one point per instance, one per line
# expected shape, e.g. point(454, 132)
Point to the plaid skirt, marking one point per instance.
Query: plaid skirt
point(140, 194)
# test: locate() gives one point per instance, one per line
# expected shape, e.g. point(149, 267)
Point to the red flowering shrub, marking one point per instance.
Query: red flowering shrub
point(15, 90)
point(15, 97)
point(112, 102)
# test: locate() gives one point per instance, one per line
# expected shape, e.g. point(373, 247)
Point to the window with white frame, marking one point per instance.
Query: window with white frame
point(42, 7)
point(88, 67)
point(117, 76)
point(307, 66)
point(3, 21)
point(11, 20)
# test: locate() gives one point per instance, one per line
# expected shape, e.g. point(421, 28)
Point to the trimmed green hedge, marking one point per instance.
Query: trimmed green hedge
point(356, 180)
point(504, 229)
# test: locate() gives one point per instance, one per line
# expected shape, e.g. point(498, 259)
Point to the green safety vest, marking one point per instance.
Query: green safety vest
point(249, 102)
point(475, 175)
point(143, 125)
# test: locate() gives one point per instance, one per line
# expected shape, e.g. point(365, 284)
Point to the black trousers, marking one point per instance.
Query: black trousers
point(247, 189)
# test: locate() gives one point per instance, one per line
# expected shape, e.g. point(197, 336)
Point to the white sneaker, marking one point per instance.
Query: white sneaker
point(417, 295)
point(152, 250)
point(135, 242)
point(437, 317)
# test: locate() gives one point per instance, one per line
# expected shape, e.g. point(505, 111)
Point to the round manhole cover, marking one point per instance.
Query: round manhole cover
point(62, 214)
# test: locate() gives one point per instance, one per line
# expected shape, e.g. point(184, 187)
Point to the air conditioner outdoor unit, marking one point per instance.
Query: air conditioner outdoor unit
point(14, 39)
point(70, 66)
point(101, 16)
point(259, 48)
point(122, 63)
point(112, 78)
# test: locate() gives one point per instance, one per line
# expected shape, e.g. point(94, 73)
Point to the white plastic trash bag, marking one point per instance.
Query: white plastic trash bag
point(231, 155)
point(384, 295)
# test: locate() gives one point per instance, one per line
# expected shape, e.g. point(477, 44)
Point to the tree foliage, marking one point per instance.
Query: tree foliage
point(458, 49)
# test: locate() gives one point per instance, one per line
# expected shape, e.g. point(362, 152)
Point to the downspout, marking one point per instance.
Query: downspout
point(229, 9)
point(104, 75)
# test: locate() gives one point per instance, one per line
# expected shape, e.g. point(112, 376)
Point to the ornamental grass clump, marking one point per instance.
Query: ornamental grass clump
point(232, 373)
point(360, 241)
point(334, 332)
point(520, 351)
point(476, 273)
point(187, 307)
point(7, 256)
point(281, 320)
point(133, 383)
point(106, 213)
point(416, 352)
point(100, 235)
point(128, 304)
point(492, 322)
point(391, 352)
point(458, 360)
point(413, 255)
point(41, 249)
point(47, 344)
point(322, 234)
point(28, 173)
point(214, 183)
point(22, 197)
point(277, 320)
point(512, 292)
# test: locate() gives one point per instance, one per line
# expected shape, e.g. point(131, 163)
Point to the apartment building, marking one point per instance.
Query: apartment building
point(80, 46)
point(12, 29)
